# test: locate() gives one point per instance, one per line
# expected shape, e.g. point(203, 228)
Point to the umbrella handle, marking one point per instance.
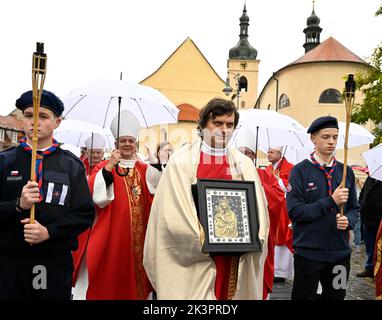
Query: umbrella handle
point(121, 174)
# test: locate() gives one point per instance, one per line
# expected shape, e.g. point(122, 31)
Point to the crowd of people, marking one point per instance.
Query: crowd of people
point(123, 228)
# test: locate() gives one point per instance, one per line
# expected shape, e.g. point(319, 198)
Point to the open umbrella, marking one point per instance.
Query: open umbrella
point(75, 132)
point(262, 129)
point(99, 102)
point(358, 135)
point(72, 148)
point(271, 128)
point(373, 158)
point(295, 154)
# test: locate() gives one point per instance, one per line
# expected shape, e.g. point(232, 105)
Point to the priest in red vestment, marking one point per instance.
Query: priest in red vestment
point(281, 169)
point(95, 148)
point(275, 199)
point(378, 264)
point(109, 260)
point(173, 257)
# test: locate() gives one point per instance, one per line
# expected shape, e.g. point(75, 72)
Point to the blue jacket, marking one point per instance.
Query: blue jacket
point(313, 212)
point(65, 213)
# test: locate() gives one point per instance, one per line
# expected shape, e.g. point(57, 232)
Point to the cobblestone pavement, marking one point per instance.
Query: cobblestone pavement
point(358, 288)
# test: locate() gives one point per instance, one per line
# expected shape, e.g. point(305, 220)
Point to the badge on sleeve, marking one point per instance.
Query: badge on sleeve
point(14, 176)
point(311, 187)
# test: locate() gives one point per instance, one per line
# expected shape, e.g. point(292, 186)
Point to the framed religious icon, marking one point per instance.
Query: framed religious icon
point(227, 210)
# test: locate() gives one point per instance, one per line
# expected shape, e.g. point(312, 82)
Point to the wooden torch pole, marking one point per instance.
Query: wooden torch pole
point(38, 79)
point(349, 103)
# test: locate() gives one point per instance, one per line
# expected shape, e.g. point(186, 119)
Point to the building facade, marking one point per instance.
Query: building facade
point(312, 85)
point(307, 88)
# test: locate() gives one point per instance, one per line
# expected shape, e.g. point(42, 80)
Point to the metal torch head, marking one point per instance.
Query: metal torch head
point(350, 85)
point(39, 47)
point(39, 58)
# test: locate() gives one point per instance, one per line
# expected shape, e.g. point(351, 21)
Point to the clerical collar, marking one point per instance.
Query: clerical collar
point(276, 164)
point(127, 163)
point(212, 151)
point(322, 162)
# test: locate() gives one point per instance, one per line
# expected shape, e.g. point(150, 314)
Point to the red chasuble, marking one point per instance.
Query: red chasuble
point(85, 161)
point(276, 200)
point(217, 167)
point(114, 249)
point(378, 264)
point(283, 234)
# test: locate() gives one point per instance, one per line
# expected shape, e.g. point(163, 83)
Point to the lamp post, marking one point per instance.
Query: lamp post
point(228, 89)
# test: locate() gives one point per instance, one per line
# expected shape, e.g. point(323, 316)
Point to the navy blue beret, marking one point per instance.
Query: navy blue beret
point(48, 100)
point(322, 123)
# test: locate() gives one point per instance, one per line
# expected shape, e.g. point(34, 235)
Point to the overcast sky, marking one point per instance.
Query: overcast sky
point(90, 39)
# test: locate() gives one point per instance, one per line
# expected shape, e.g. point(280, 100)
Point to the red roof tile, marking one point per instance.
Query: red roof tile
point(11, 122)
point(329, 50)
point(188, 112)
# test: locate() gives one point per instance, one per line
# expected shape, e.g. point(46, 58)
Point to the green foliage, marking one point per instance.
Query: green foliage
point(379, 12)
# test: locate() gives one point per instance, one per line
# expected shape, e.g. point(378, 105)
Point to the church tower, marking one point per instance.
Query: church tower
point(312, 32)
point(243, 69)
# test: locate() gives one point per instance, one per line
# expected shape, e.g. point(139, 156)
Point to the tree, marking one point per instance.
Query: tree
point(379, 12)
point(369, 82)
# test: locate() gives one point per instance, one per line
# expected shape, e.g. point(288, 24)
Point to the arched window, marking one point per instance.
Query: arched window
point(243, 84)
point(284, 101)
point(330, 96)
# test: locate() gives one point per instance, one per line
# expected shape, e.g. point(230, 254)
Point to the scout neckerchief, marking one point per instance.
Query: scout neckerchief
point(39, 157)
point(328, 175)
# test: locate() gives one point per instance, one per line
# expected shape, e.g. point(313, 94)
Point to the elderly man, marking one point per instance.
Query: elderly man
point(281, 169)
point(173, 257)
point(109, 264)
point(95, 148)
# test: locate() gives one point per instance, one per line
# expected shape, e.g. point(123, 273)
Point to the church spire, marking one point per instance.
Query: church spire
point(312, 31)
point(243, 50)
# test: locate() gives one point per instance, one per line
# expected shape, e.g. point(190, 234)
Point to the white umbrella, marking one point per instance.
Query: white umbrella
point(358, 135)
point(272, 128)
point(72, 148)
point(373, 158)
point(75, 132)
point(98, 103)
point(295, 154)
point(245, 138)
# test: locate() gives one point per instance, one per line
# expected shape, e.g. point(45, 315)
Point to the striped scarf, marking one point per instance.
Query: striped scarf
point(328, 175)
point(39, 157)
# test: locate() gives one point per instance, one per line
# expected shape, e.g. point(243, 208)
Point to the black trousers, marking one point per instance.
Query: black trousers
point(307, 274)
point(26, 285)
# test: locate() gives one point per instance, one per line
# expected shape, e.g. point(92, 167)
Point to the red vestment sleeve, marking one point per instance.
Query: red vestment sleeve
point(283, 235)
point(378, 264)
point(285, 170)
point(275, 199)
